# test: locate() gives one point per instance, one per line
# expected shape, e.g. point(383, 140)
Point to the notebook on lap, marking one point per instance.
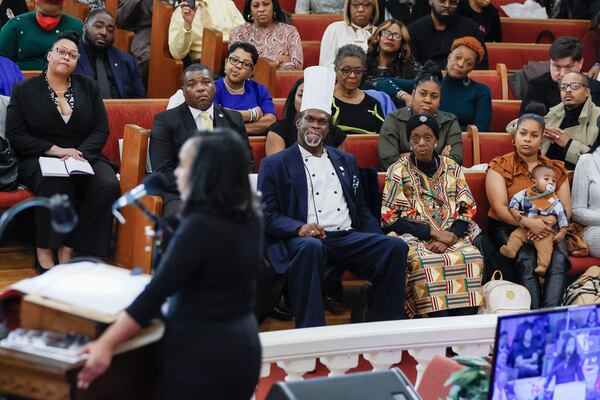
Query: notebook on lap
point(551, 354)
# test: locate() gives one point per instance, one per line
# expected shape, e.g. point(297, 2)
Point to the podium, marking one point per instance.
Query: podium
point(131, 375)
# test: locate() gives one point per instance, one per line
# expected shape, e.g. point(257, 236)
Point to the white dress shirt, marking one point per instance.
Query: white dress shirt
point(326, 203)
point(196, 114)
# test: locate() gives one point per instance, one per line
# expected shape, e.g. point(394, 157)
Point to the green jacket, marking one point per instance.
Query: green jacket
point(393, 140)
point(26, 43)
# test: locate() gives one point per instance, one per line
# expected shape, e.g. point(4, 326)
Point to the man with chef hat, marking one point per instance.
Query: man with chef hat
point(316, 215)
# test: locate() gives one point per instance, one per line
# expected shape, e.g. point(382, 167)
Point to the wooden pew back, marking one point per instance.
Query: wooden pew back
point(515, 55)
point(164, 72)
point(504, 111)
point(523, 30)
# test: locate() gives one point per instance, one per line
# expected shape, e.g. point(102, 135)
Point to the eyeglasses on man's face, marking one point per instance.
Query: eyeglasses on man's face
point(391, 35)
point(62, 52)
point(236, 61)
point(347, 71)
point(572, 86)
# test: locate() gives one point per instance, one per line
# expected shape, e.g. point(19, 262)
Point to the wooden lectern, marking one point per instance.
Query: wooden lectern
point(132, 374)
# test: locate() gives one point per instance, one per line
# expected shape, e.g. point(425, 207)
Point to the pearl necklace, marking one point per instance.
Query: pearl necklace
point(232, 90)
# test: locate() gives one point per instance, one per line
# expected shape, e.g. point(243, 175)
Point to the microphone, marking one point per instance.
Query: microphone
point(152, 184)
point(63, 216)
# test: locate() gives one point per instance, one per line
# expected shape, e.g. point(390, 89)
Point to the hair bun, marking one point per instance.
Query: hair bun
point(430, 68)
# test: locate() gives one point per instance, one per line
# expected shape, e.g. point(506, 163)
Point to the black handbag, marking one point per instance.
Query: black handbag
point(8, 166)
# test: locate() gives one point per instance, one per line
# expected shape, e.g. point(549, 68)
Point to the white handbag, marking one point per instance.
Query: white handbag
point(504, 297)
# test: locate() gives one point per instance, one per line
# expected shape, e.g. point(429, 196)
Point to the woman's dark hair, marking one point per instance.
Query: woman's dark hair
point(289, 109)
point(278, 14)
point(68, 35)
point(219, 176)
point(532, 117)
point(430, 72)
point(536, 108)
point(247, 47)
point(403, 65)
point(564, 347)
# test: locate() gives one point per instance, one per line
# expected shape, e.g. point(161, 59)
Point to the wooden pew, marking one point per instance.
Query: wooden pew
point(503, 111)
point(212, 49)
point(111, 6)
point(76, 9)
point(496, 80)
point(312, 51)
point(312, 26)
point(515, 55)
point(517, 30)
point(498, 3)
point(123, 39)
point(164, 72)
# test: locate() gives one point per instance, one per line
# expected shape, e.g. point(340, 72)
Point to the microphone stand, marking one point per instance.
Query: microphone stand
point(160, 231)
point(50, 203)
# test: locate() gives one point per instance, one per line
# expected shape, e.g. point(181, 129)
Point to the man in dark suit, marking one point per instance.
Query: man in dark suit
point(115, 71)
point(432, 35)
point(315, 214)
point(173, 127)
point(566, 55)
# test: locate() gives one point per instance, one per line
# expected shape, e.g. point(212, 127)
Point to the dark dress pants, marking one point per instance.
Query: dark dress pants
point(171, 205)
point(380, 259)
point(92, 196)
point(525, 263)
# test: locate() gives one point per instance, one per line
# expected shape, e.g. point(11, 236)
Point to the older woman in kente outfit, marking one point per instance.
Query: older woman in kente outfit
point(426, 196)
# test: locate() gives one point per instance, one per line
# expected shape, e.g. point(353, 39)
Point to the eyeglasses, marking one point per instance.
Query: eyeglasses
point(236, 61)
point(391, 35)
point(356, 4)
point(347, 71)
point(451, 3)
point(572, 86)
point(71, 55)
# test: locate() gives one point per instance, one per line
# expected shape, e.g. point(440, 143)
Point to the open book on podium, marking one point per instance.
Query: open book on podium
point(81, 297)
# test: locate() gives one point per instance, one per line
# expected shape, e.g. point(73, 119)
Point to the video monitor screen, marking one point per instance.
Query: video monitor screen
point(547, 355)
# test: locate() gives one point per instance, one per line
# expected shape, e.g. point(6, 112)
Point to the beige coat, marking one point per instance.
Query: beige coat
point(583, 135)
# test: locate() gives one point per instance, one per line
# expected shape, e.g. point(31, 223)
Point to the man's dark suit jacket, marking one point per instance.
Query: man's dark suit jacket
point(544, 90)
point(282, 182)
point(33, 124)
point(124, 69)
point(172, 128)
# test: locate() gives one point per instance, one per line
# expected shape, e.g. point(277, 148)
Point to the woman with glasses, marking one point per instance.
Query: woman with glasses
point(469, 100)
point(26, 38)
point(389, 54)
point(354, 111)
point(267, 31)
point(425, 99)
point(61, 115)
point(356, 28)
point(319, 6)
point(237, 91)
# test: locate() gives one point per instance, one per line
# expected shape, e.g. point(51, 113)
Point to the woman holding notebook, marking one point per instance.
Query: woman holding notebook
point(62, 116)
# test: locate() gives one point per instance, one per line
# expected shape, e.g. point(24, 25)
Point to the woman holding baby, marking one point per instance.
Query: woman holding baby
point(507, 176)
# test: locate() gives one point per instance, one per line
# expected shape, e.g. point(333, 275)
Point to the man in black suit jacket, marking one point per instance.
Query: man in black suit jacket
point(566, 56)
point(172, 128)
point(115, 71)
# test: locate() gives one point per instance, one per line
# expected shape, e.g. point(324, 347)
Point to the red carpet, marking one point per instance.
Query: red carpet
point(408, 367)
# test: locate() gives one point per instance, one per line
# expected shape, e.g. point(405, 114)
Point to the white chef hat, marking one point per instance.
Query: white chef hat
point(318, 89)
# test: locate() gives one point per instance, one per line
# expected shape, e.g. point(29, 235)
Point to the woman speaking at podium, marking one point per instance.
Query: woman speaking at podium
point(210, 348)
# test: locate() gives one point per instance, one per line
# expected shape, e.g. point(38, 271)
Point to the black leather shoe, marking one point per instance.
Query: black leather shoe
point(281, 313)
point(333, 306)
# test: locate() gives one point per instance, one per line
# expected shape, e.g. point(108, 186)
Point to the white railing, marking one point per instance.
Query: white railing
point(381, 343)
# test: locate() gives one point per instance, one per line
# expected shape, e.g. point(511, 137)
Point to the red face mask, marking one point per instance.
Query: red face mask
point(48, 23)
